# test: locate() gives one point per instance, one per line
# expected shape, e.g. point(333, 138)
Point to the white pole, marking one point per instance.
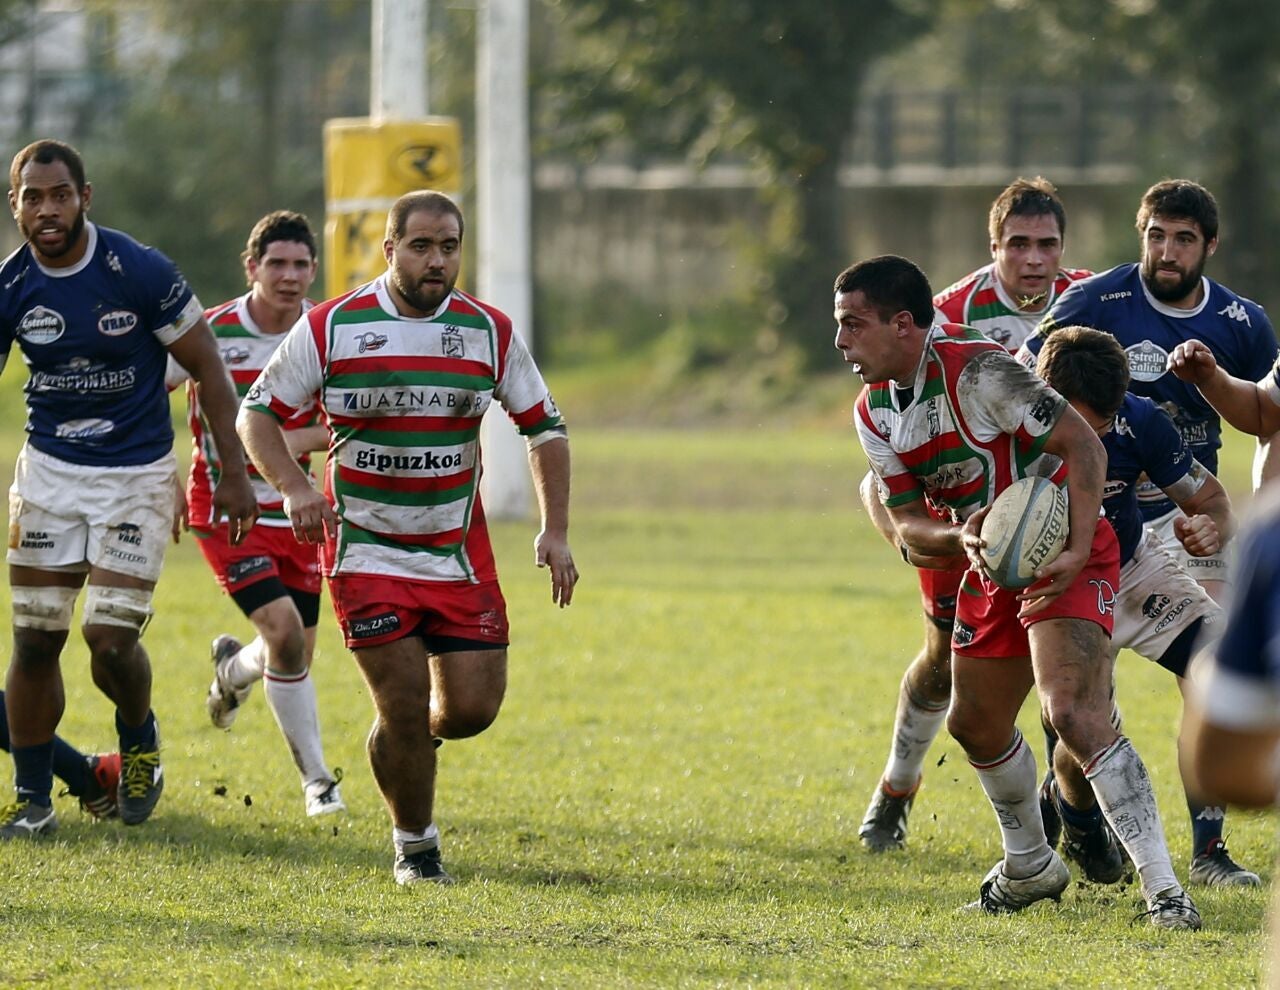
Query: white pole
point(398, 87)
point(503, 225)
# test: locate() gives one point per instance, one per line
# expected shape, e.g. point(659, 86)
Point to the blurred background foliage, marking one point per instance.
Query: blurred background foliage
point(701, 170)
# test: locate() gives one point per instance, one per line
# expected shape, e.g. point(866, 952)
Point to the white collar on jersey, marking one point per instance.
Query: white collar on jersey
point(79, 266)
point(1173, 311)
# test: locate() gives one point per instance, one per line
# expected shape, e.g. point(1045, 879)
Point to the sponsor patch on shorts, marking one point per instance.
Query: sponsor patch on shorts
point(376, 625)
point(962, 635)
point(247, 568)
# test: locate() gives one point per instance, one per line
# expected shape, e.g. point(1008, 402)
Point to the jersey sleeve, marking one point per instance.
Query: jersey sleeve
point(1239, 684)
point(997, 395)
point(525, 397)
point(292, 377)
point(171, 307)
point(1262, 349)
point(896, 485)
point(174, 374)
point(1166, 458)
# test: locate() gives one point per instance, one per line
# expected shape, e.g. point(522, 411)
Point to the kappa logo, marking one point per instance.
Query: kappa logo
point(117, 323)
point(41, 325)
point(370, 341)
point(113, 262)
point(1236, 312)
point(1106, 596)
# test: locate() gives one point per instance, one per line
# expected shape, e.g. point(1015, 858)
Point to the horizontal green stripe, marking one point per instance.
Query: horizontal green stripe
point(395, 496)
point(353, 535)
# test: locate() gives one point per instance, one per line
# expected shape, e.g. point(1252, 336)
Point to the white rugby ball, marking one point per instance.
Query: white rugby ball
point(1025, 529)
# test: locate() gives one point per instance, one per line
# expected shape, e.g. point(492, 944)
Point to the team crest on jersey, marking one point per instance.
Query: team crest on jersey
point(933, 419)
point(175, 293)
point(41, 325)
point(1147, 361)
point(451, 342)
point(370, 341)
point(117, 323)
point(235, 354)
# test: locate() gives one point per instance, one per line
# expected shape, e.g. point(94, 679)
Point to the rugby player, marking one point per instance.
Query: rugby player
point(404, 367)
point(948, 420)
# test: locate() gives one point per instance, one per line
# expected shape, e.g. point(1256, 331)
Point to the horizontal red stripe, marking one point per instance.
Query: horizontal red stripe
point(375, 361)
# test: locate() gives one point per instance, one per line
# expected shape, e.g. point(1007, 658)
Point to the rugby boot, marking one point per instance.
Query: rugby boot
point(1003, 894)
point(1172, 909)
point(419, 862)
point(1215, 868)
point(884, 827)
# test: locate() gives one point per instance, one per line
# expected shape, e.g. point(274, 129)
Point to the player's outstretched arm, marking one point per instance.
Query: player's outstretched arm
point(197, 352)
point(1243, 404)
point(549, 462)
point(308, 510)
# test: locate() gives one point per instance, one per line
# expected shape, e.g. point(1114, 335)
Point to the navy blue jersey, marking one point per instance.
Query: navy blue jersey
point(93, 337)
point(1235, 329)
point(1250, 644)
point(1142, 441)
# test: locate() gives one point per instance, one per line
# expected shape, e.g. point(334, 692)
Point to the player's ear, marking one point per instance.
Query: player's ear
point(86, 194)
point(1210, 248)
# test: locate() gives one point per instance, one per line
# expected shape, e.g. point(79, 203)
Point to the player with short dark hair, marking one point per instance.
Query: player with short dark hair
point(1160, 609)
point(1152, 307)
point(1004, 299)
point(404, 367)
point(948, 420)
point(272, 578)
point(96, 315)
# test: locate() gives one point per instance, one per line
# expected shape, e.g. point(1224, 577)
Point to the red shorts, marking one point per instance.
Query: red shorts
point(373, 610)
point(268, 551)
point(987, 621)
point(938, 591)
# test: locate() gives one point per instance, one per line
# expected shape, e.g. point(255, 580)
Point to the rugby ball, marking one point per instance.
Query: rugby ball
point(1025, 529)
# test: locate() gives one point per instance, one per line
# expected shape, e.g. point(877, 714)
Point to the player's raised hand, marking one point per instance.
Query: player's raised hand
point(552, 550)
point(1198, 534)
point(310, 514)
point(1193, 362)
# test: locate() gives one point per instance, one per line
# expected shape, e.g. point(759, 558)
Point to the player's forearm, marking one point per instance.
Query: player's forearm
point(265, 444)
point(218, 403)
point(1076, 443)
point(1242, 404)
point(549, 463)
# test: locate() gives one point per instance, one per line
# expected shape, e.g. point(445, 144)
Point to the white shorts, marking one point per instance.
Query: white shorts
point(1212, 568)
point(67, 516)
point(1158, 600)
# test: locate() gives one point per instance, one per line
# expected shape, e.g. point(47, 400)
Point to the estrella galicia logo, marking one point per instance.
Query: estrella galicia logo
point(376, 625)
point(451, 342)
point(370, 341)
point(117, 323)
point(962, 634)
point(41, 325)
point(1147, 361)
point(246, 568)
point(1155, 604)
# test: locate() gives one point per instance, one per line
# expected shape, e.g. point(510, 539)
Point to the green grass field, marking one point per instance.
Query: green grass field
point(670, 797)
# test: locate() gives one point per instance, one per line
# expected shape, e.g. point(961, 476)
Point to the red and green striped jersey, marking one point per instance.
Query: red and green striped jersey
point(245, 350)
point(403, 398)
point(979, 300)
point(970, 422)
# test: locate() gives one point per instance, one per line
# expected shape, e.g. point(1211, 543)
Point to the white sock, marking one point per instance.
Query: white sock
point(399, 837)
point(248, 665)
point(914, 730)
point(1010, 784)
point(292, 698)
point(1120, 781)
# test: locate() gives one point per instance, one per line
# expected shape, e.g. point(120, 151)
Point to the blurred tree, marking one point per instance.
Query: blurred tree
point(772, 84)
point(219, 120)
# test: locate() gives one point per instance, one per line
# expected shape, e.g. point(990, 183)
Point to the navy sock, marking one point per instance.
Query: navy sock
point(1206, 826)
point(68, 762)
point(142, 736)
point(1081, 821)
point(33, 773)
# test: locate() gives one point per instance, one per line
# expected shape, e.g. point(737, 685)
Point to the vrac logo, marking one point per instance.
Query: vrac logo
point(117, 323)
point(1236, 312)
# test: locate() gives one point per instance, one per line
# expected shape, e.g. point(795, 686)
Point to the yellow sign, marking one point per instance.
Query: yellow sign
point(368, 165)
